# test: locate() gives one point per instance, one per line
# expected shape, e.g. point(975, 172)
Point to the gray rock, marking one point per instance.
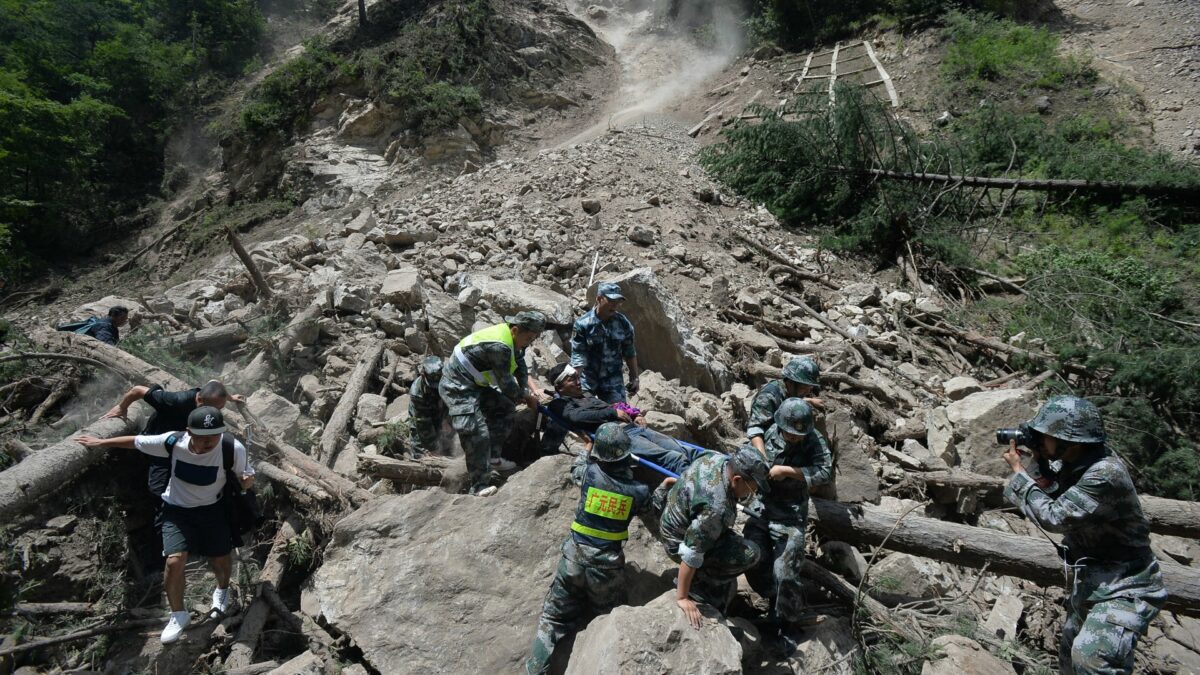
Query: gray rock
point(861, 294)
point(370, 408)
point(666, 423)
point(1042, 104)
point(641, 235)
point(509, 296)
point(360, 225)
point(664, 335)
point(854, 478)
point(351, 299)
point(960, 387)
point(470, 296)
point(422, 561)
point(964, 656)
point(975, 420)
point(279, 415)
point(402, 287)
point(904, 578)
point(590, 206)
point(1002, 621)
point(940, 435)
point(844, 559)
point(655, 638)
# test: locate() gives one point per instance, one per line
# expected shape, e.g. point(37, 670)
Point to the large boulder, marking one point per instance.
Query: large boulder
point(402, 288)
point(447, 320)
point(665, 341)
point(442, 583)
point(655, 638)
point(975, 420)
point(964, 656)
point(280, 415)
point(509, 296)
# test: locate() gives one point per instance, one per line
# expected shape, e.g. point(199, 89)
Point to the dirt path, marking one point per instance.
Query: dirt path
point(1154, 45)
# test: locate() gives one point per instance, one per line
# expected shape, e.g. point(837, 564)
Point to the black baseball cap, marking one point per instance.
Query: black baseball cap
point(206, 421)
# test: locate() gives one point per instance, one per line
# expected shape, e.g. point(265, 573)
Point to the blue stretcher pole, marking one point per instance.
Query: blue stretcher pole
point(651, 465)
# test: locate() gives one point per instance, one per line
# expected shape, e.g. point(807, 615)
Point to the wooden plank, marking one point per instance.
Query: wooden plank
point(804, 73)
point(833, 70)
point(883, 75)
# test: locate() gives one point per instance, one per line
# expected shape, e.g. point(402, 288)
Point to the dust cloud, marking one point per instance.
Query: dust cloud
point(666, 49)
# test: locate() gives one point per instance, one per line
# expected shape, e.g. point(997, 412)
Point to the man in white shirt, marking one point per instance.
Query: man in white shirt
point(195, 520)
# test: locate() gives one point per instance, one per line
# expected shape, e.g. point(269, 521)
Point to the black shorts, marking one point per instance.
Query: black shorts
point(203, 530)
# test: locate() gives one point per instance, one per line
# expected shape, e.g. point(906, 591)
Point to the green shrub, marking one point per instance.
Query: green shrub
point(283, 98)
point(987, 49)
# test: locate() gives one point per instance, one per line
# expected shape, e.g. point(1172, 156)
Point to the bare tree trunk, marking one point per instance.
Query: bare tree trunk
point(215, 339)
point(424, 471)
point(241, 655)
point(265, 295)
point(1027, 558)
point(260, 367)
point(335, 430)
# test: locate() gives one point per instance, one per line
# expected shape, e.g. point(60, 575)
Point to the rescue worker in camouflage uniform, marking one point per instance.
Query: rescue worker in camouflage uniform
point(426, 410)
point(480, 385)
point(1118, 588)
point(601, 342)
point(799, 458)
point(590, 577)
point(697, 528)
point(801, 379)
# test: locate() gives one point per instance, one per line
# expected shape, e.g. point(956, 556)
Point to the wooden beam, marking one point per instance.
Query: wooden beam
point(883, 75)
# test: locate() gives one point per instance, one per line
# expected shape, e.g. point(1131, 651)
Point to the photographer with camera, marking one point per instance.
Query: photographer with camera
point(1117, 588)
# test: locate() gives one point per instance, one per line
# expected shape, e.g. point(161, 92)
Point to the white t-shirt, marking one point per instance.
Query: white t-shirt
point(196, 480)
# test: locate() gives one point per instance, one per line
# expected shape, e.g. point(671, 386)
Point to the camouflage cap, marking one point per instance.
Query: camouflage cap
point(530, 320)
point(431, 367)
point(609, 290)
point(1070, 418)
point(803, 370)
point(795, 416)
point(611, 443)
point(749, 463)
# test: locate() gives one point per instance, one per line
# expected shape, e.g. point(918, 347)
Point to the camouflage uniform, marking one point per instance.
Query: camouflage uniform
point(1117, 589)
point(801, 370)
point(778, 526)
point(590, 576)
point(697, 528)
point(426, 410)
point(599, 350)
point(483, 415)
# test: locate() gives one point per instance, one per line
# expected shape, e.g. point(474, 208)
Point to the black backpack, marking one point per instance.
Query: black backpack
point(241, 505)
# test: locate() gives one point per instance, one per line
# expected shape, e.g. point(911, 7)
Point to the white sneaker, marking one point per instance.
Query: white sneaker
point(220, 602)
point(501, 464)
point(179, 621)
point(487, 491)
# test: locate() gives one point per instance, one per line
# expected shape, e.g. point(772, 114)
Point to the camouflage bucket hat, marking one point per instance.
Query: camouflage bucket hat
point(532, 320)
point(1070, 418)
point(431, 367)
point(611, 443)
point(795, 416)
point(804, 371)
point(749, 463)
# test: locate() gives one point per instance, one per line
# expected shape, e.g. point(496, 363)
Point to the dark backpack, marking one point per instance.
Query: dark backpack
point(241, 505)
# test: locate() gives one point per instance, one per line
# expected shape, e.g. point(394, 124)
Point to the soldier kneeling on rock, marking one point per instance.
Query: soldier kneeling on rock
point(590, 577)
point(1118, 588)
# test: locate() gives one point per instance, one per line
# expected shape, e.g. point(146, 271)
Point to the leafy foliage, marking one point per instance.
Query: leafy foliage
point(987, 48)
point(281, 100)
point(88, 91)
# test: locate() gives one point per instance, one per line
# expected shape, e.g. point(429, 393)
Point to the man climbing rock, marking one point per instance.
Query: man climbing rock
point(585, 412)
point(590, 577)
point(601, 343)
point(105, 329)
point(801, 379)
point(480, 385)
point(1118, 587)
point(697, 528)
point(800, 460)
point(171, 412)
point(195, 521)
point(426, 410)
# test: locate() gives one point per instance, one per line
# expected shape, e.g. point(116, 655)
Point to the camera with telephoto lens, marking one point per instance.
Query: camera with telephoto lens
point(1023, 435)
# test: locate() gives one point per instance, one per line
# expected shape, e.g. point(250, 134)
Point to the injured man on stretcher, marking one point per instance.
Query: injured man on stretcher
point(584, 413)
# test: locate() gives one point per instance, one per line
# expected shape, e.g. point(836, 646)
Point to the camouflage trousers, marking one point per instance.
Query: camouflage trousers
point(715, 583)
point(483, 430)
point(589, 581)
point(777, 575)
point(1102, 628)
point(424, 432)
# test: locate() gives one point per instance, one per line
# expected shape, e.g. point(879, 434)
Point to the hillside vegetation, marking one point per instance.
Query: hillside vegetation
point(1108, 278)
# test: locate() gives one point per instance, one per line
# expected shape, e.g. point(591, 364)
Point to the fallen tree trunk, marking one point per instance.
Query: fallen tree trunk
point(1027, 558)
point(424, 471)
point(1039, 184)
point(260, 284)
point(1166, 516)
point(294, 484)
point(47, 470)
point(335, 429)
point(215, 339)
point(260, 366)
point(241, 654)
